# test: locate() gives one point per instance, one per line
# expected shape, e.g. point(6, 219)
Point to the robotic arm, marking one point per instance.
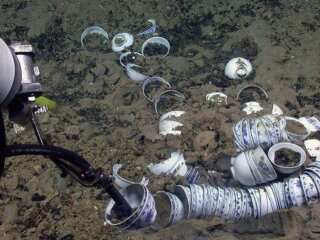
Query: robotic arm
point(18, 90)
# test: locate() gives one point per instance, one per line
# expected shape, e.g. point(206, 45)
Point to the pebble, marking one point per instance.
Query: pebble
point(61, 184)
point(11, 213)
point(72, 131)
point(178, 64)
point(99, 70)
point(89, 78)
point(79, 67)
point(37, 169)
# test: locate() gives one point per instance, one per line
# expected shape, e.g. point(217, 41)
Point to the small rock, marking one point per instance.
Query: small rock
point(11, 213)
point(37, 169)
point(38, 198)
point(178, 64)
point(61, 184)
point(217, 18)
point(149, 132)
point(99, 70)
point(72, 131)
point(314, 226)
point(79, 67)
point(89, 78)
point(33, 184)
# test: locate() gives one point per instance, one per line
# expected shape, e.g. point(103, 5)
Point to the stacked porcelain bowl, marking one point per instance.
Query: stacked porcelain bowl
point(204, 201)
point(310, 184)
point(252, 167)
point(263, 131)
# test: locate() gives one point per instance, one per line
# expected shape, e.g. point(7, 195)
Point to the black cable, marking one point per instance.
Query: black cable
point(66, 160)
point(122, 206)
point(2, 144)
point(34, 149)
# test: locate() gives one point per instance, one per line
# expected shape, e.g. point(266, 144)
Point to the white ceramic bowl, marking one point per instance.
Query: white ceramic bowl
point(140, 199)
point(185, 196)
point(294, 147)
point(263, 164)
point(296, 192)
point(169, 210)
point(241, 171)
point(309, 189)
point(238, 68)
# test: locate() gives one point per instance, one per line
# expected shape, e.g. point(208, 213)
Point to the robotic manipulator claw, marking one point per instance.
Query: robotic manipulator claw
point(18, 90)
point(18, 80)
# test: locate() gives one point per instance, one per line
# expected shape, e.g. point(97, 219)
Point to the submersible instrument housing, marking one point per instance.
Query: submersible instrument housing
point(18, 90)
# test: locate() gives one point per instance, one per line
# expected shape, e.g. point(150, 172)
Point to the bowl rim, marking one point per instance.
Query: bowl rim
point(291, 146)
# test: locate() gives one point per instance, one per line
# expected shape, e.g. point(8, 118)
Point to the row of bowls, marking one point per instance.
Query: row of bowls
point(264, 131)
point(205, 201)
point(253, 167)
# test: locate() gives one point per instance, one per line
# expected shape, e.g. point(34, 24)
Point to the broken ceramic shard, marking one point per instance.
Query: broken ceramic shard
point(192, 175)
point(168, 93)
point(252, 107)
point(312, 124)
point(175, 165)
point(217, 97)
point(120, 181)
point(168, 126)
point(151, 30)
point(133, 74)
point(121, 41)
point(313, 147)
point(94, 30)
point(156, 40)
point(125, 54)
point(276, 110)
point(152, 80)
point(252, 86)
point(238, 68)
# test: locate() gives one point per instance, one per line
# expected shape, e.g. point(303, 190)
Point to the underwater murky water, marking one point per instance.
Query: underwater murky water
point(103, 116)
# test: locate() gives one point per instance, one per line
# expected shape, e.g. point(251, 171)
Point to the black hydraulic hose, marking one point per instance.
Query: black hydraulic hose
point(34, 149)
point(2, 144)
point(122, 207)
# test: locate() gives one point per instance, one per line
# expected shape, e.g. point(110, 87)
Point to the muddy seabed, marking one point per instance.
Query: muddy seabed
point(104, 117)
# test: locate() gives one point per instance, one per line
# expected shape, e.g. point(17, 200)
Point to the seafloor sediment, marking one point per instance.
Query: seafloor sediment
point(104, 117)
